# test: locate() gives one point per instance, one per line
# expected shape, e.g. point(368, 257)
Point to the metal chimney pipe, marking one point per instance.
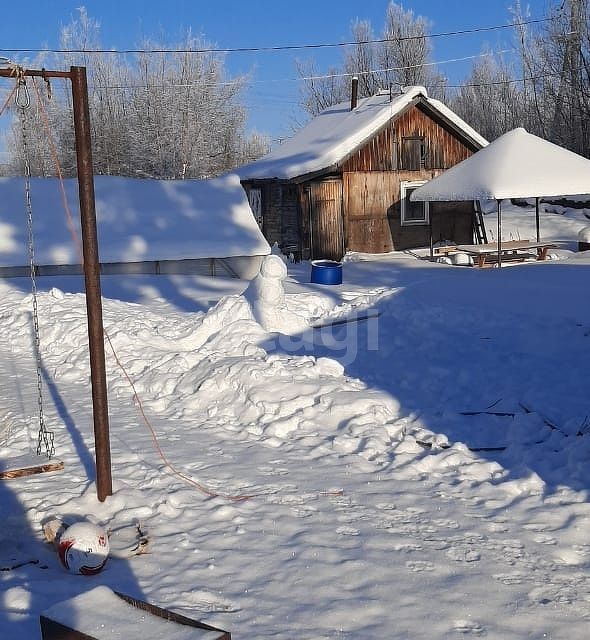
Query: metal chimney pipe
point(354, 92)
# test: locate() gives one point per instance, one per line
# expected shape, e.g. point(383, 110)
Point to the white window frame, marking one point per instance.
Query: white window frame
point(404, 186)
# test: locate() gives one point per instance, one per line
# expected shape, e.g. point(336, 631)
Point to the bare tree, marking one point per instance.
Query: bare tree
point(362, 60)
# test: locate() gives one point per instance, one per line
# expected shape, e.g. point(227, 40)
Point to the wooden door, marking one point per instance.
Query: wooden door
point(326, 222)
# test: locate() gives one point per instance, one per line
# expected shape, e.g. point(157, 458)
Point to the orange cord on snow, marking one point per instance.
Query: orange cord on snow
point(156, 443)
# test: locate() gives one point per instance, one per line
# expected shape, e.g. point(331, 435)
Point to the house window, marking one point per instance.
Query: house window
point(414, 153)
point(255, 200)
point(413, 212)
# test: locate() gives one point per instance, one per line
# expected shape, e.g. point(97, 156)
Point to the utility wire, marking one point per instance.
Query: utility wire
point(292, 47)
point(188, 85)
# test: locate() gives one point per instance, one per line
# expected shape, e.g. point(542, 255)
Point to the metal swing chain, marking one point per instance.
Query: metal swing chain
point(23, 102)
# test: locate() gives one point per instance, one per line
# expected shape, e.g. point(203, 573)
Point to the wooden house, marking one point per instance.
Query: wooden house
point(343, 182)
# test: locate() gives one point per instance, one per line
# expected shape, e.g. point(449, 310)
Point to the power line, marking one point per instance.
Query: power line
point(293, 47)
point(492, 83)
point(125, 87)
point(188, 85)
point(406, 68)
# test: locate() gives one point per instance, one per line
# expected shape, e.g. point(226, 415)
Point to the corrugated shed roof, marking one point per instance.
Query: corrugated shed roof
point(336, 132)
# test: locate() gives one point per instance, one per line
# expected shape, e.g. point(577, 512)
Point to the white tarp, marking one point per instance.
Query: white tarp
point(515, 165)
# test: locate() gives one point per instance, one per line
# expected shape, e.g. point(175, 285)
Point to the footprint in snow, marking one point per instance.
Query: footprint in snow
point(418, 566)
point(552, 594)
point(303, 511)
point(348, 531)
point(582, 549)
point(467, 627)
point(445, 524)
point(498, 527)
point(463, 555)
point(273, 471)
point(543, 538)
point(510, 578)
point(386, 506)
point(407, 547)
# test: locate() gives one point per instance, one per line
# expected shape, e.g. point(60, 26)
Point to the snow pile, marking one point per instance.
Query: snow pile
point(85, 613)
point(436, 448)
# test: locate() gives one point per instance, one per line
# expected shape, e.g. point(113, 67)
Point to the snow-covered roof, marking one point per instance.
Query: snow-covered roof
point(137, 220)
point(336, 132)
point(515, 165)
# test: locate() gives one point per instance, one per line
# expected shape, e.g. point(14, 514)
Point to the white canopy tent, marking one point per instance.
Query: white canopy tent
point(516, 165)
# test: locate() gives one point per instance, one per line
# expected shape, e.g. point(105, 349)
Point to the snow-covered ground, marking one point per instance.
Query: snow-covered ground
point(418, 474)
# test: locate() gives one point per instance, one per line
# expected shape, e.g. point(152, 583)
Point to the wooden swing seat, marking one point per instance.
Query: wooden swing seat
point(27, 465)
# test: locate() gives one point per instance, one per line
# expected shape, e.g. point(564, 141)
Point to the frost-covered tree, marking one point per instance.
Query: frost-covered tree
point(490, 100)
point(548, 92)
point(558, 58)
point(399, 57)
point(172, 114)
point(406, 53)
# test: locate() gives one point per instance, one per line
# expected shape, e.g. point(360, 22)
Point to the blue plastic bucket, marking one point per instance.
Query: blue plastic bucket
point(326, 272)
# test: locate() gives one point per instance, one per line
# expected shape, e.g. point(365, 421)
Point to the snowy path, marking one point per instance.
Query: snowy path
point(355, 531)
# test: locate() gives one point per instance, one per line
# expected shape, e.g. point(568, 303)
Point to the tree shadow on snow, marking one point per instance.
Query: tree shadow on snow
point(492, 358)
point(181, 292)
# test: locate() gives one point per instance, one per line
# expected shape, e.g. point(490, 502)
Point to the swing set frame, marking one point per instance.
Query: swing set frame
point(77, 76)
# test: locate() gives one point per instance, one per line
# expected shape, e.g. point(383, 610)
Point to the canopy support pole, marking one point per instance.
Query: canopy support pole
point(430, 238)
point(499, 206)
point(537, 219)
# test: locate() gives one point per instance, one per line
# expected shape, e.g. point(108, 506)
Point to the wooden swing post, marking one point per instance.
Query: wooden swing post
point(77, 76)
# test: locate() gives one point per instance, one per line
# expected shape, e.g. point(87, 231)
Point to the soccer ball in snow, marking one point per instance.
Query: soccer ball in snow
point(83, 548)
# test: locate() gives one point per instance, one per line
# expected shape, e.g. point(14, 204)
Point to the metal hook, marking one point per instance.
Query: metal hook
point(47, 83)
point(22, 98)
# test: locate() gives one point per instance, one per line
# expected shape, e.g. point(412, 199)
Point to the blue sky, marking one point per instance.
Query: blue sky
point(273, 97)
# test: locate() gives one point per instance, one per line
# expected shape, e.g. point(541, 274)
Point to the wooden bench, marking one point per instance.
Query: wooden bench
point(510, 251)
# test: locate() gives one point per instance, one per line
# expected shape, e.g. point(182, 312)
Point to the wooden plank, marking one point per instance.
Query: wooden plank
point(27, 465)
point(173, 617)
point(55, 627)
point(367, 314)
point(509, 245)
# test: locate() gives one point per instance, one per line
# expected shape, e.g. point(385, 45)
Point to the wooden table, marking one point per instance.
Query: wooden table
point(511, 250)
